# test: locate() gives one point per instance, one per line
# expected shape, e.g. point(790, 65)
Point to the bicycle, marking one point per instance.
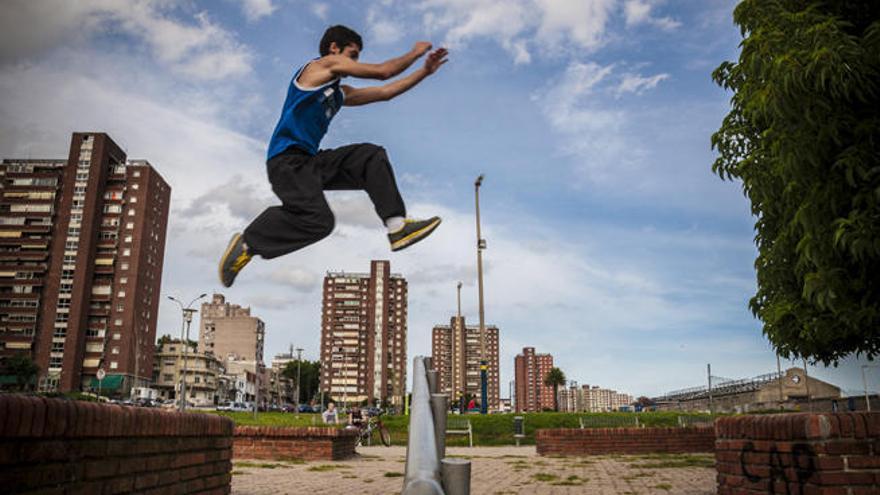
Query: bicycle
point(374, 423)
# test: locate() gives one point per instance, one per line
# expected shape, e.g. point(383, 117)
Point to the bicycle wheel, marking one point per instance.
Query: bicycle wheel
point(385, 435)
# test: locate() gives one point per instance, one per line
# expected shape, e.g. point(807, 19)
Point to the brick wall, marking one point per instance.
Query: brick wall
point(64, 446)
point(799, 454)
point(309, 443)
point(599, 441)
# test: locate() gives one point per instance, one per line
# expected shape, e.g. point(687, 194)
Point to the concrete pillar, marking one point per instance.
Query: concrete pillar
point(439, 408)
point(456, 476)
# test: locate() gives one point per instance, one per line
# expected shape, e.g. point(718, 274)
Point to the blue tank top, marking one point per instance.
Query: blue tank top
point(305, 117)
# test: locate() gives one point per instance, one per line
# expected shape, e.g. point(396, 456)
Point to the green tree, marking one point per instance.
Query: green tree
point(554, 378)
point(23, 368)
point(310, 374)
point(803, 136)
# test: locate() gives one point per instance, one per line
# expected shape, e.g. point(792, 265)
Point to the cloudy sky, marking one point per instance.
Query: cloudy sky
point(610, 243)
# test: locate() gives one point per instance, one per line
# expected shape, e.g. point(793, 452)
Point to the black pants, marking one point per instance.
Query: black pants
point(300, 179)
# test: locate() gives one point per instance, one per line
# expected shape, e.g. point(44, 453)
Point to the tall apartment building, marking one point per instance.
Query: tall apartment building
point(363, 335)
point(530, 369)
point(85, 239)
point(228, 331)
point(456, 352)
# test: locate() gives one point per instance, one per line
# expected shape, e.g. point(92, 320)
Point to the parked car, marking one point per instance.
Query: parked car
point(233, 407)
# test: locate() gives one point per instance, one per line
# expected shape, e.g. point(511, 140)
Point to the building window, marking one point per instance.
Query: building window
point(116, 336)
point(124, 266)
point(126, 252)
point(113, 365)
point(131, 212)
point(115, 350)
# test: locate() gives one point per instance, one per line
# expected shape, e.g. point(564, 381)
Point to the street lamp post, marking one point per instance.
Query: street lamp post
point(865, 384)
point(484, 365)
point(184, 338)
point(298, 369)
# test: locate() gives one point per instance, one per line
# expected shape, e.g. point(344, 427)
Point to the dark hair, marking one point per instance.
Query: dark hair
point(342, 35)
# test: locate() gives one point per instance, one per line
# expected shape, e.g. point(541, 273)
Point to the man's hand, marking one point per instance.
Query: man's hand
point(435, 60)
point(421, 48)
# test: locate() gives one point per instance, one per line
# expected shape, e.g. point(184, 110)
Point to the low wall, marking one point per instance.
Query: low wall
point(307, 443)
point(597, 441)
point(66, 446)
point(799, 454)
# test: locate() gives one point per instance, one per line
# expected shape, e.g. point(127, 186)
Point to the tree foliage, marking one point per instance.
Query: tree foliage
point(23, 368)
point(803, 135)
point(555, 378)
point(310, 374)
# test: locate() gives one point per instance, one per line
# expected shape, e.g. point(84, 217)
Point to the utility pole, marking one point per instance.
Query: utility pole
point(709, 373)
point(779, 375)
point(807, 384)
point(459, 300)
point(865, 384)
point(184, 338)
point(298, 369)
point(484, 364)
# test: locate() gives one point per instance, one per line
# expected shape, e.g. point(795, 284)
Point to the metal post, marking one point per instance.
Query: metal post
point(422, 465)
point(709, 372)
point(187, 319)
point(298, 375)
point(864, 383)
point(456, 476)
point(433, 377)
point(481, 245)
point(459, 300)
point(807, 384)
point(779, 373)
point(439, 407)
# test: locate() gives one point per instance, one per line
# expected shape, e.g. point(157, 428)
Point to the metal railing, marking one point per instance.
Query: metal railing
point(428, 470)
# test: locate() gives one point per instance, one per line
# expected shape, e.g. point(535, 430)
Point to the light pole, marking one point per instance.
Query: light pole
point(298, 369)
point(865, 384)
point(484, 365)
point(187, 319)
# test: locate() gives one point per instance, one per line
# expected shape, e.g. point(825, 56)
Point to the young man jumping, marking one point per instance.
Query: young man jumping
point(300, 174)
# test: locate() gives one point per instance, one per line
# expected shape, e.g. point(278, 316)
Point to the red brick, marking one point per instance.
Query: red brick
point(844, 478)
point(863, 462)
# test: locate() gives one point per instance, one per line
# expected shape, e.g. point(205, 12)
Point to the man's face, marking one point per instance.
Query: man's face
point(351, 50)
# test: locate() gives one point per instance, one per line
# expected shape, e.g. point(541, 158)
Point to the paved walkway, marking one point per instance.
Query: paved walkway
point(495, 471)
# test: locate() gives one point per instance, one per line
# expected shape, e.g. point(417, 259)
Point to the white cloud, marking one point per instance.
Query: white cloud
point(600, 134)
point(383, 29)
point(520, 26)
point(200, 49)
point(635, 83)
point(255, 10)
point(638, 12)
point(320, 10)
point(580, 21)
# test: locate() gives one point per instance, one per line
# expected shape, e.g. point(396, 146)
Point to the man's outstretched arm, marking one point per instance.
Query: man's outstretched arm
point(362, 96)
point(342, 66)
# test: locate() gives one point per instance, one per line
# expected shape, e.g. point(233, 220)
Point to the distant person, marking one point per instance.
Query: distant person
point(330, 415)
point(472, 405)
point(356, 418)
point(300, 173)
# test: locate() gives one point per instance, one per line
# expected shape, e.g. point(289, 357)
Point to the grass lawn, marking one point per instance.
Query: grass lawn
point(489, 430)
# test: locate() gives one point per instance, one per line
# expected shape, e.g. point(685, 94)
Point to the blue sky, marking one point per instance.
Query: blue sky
point(611, 244)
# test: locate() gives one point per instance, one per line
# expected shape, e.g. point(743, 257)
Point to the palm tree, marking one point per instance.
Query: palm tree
point(555, 377)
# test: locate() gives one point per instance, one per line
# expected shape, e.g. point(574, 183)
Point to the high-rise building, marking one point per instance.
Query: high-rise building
point(363, 335)
point(85, 239)
point(456, 352)
point(592, 399)
point(530, 370)
point(228, 331)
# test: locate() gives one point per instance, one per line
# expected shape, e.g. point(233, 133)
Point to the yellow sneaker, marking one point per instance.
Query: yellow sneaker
point(233, 260)
point(412, 232)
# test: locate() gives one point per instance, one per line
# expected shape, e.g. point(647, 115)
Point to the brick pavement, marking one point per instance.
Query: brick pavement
point(495, 471)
